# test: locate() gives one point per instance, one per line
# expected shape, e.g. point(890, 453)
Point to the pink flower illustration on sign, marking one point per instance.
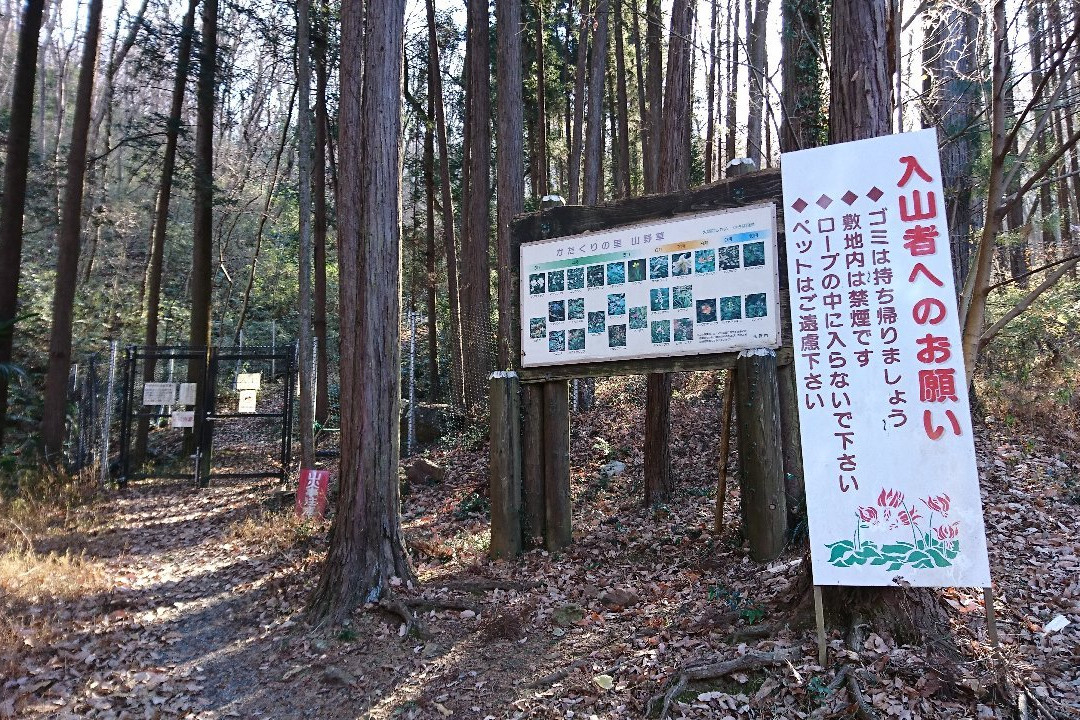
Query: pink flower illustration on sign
point(932, 547)
point(947, 532)
point(939, 504)
point(890, 498)
point(908, 517)
point(868, 515)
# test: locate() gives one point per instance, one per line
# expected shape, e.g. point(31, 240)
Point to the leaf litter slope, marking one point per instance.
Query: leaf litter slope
point(196, 609)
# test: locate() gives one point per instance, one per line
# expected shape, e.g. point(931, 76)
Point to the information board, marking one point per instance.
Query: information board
point(703, 283)
point(159, 393)
point(892, 487)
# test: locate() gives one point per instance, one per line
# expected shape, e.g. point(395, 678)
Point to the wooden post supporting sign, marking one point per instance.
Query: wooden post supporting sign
point(532, 462)
point(557, 464)
point(505, 464)
point(764, 502)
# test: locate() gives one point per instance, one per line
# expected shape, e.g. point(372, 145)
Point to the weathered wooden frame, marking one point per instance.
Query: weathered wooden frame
point(539, 437)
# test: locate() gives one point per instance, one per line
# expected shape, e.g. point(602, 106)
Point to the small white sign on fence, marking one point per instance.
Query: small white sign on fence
point(188, 394)
point(891, 484)
point(159, 393)
point(248, 401)
point(182, 419)
point(248, 381)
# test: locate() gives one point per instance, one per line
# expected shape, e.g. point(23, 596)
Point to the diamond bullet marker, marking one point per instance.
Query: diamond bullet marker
point(849, 197)
point(799, 205)
point(824, 201)
point(874, 194)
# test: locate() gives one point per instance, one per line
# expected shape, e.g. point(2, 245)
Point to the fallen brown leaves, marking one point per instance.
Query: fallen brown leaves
point(200, 610)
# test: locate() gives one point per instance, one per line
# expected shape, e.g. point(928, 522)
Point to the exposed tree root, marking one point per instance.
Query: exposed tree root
point(429, 603)
point(837, 681)
point(483, 585)
point(413, 625)
point(707, 671)
point(1041, 708)
point(559, 674)
point(862, 706)
point(714, 619)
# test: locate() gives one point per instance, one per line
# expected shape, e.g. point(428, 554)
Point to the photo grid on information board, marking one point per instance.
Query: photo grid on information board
point(705, 283)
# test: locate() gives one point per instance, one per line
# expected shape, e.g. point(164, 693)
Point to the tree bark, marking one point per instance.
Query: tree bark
point(674, 168)
point(161, 211)
point(974, 315)
point(654, 93)
point(203, 211)
point(320, 222)
point(658, 482)
point(860, 82)
point(594, 142)
point(540, 162)
point(579, 101)
point(764, 498)
point(673, 175)
point(643, 114)
point(511, 179)
point(710, 104)
point(802, 98)
point(303, 151)
point(67, 256)
point(1017, 254)
point(1074, 160)
point(366, 547)
point(1038, 34)
point(457, 378)
point(756, 60)
point(431, 252)
point(476, 213)
point(13, 201)
point(733, 81)
point(622, 107)
point(802, 127)
point(954, 106)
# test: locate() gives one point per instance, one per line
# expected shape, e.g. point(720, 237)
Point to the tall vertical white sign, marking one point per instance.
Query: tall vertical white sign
point(891, 483)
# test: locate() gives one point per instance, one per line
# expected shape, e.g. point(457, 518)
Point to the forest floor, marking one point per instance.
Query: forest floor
point(164, 601)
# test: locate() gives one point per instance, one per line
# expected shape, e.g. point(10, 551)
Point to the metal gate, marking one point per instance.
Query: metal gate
point(197, 414)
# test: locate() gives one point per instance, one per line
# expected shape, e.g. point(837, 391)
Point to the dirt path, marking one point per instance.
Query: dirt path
point(190, 606)
point(175, 627)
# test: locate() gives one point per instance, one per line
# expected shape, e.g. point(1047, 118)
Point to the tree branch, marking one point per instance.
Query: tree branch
point(1061, 53)
point(1044, 168)
point(1026, 302)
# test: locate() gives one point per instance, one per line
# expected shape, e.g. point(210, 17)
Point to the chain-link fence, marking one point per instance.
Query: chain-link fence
point(93, 404)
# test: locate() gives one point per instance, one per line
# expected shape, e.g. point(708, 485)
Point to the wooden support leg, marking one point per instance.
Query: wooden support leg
point(991, 619)
point(505, 464)
point(761, 461)
point(725, 440)
point(819, 616)
point(532, 470)
point(557, 533)
point(794, 485)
